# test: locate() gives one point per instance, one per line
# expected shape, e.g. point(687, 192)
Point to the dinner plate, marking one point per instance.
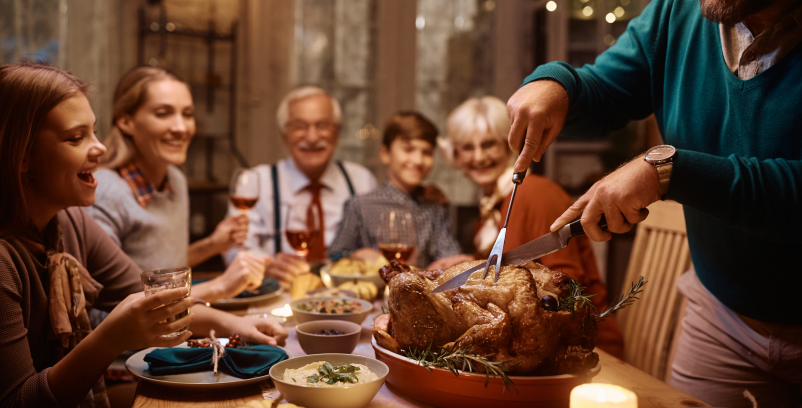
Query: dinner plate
point(245, 301)
point(137, 366)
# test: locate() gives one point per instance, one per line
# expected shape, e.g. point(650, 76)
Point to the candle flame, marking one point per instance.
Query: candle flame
point(285, 311)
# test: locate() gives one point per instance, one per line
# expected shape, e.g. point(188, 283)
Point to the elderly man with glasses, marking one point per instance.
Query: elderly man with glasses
point(309, 120)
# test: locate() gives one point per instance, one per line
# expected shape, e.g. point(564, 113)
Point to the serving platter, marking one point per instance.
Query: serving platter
point(442, 388)
point(333, 280)
point(137, 366)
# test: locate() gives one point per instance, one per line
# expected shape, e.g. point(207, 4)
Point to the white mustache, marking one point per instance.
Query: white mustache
point(318, 145)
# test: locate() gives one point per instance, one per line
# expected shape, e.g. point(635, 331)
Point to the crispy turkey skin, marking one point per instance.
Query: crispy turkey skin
point(504, 318)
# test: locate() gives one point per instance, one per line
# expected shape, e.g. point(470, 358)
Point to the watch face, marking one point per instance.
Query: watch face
point(660, 153)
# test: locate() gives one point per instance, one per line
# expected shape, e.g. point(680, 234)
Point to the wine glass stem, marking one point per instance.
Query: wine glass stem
point(245, 213)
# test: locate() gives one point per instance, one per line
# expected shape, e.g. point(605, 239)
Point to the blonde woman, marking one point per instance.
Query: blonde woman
point(476, 142)
point(49, 354)
point(142, 196)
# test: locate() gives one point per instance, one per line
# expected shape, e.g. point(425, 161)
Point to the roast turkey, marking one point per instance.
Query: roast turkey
point(504, 319)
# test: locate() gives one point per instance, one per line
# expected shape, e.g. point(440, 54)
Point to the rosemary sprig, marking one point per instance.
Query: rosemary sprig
point(624, 300)
point(457, 359)
point(576, 296)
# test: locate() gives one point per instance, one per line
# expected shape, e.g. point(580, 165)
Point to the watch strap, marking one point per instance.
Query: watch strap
point(664, 176)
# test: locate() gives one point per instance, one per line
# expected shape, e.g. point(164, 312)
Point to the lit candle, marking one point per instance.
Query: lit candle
point(603, 396)
point(282, 311)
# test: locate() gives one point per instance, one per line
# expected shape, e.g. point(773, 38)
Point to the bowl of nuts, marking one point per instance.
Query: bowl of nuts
point(328, 336)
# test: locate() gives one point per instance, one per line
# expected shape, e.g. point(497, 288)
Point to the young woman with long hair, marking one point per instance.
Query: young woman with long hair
point(142, 196)
point(56, 262)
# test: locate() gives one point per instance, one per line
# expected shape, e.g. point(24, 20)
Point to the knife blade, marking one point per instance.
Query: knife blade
point(534, 249)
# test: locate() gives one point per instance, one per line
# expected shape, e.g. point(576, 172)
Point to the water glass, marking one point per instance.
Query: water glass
point(157, 280)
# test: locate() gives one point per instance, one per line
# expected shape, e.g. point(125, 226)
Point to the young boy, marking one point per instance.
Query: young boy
point(408, 152)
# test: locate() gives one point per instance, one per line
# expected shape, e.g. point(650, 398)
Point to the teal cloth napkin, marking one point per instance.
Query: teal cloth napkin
point(255, 361)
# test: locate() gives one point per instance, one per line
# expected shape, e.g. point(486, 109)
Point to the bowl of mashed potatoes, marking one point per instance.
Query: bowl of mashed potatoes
point(329, 380)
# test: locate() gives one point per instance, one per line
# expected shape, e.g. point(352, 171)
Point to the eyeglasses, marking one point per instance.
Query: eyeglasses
point(302, 126)
point(487, 145)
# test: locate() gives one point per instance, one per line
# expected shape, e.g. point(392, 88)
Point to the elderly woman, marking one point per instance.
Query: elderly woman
point(56, 262)
point(476, 143)
point(142, 196)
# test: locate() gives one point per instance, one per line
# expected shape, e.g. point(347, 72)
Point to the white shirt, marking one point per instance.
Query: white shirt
point(291, 188)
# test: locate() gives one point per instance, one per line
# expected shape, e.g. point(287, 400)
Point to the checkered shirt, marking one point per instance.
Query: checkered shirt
point(142, 188)
point(360, 224)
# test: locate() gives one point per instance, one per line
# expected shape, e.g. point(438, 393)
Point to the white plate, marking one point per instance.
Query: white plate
point(247, 300)
point(137, 366)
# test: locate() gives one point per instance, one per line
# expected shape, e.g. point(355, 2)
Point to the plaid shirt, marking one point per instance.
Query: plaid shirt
point(142, 188)
point(360, 224)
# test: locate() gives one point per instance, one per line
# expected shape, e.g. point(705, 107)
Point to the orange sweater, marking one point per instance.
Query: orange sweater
point(538, 202)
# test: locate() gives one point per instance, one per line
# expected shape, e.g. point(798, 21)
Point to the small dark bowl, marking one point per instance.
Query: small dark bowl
point(313, 343)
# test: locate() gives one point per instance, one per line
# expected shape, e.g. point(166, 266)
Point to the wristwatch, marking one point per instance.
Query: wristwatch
point(662, 158)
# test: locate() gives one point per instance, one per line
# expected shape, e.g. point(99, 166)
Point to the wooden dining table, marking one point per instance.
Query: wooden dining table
point(651, 392)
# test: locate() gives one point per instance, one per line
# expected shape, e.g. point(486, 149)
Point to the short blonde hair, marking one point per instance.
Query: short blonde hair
point(485, 115)
point(283, 113)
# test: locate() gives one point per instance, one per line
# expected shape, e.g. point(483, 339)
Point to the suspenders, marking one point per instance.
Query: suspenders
point(276, 209)
point(347, 179)
point(277, 201)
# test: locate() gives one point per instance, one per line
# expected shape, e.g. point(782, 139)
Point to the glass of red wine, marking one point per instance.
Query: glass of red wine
point(396, 235)
point(244, 190)
point(302, 227)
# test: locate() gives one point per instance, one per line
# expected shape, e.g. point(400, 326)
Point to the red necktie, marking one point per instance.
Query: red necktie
point(317, 245)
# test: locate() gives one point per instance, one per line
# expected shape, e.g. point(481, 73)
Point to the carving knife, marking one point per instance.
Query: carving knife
point(534, 249)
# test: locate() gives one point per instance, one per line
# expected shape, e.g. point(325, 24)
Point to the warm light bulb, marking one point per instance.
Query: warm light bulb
point(551, 6)
point(619, 11)
point(610, 17)
point(420, 22)
point(587, 11)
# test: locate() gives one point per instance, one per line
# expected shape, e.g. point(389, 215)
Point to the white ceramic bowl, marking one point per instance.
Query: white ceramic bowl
point(303, 316)
point(347, 396)
point(337, 280)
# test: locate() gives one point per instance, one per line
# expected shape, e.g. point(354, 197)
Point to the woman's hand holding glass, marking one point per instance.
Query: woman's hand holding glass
point(139, 321)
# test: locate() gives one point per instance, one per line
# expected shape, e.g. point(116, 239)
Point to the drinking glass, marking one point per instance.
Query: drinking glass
point(396, 235)
point(157, 280)
point(302, 227)
point(244, 189)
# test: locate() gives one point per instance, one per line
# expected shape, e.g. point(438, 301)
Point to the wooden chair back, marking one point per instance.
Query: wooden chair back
point(660, 254)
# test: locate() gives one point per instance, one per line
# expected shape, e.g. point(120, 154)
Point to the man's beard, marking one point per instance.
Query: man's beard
point(731, 12)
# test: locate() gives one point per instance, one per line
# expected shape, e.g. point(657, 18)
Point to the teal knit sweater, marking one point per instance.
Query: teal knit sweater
point(737, 171)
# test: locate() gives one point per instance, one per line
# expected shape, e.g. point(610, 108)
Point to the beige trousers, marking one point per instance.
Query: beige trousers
point(721, 354)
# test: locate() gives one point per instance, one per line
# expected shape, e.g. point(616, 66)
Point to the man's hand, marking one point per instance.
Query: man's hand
point(537, 113)
point(449, 261)
point(622, 196)
point(229, 232)
point(285, 268)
